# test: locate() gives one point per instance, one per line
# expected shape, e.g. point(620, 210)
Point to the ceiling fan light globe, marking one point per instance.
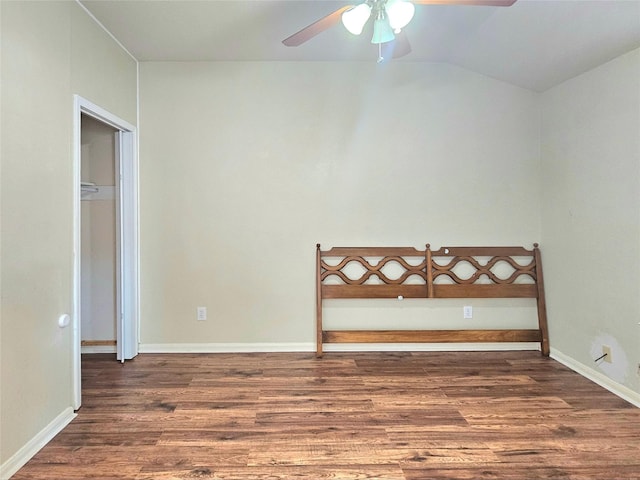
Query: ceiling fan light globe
point(399, 13)
point(382, 31)
point(354, 19)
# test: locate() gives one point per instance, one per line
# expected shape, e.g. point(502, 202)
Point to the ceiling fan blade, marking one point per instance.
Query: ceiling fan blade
point(489, 3)
point(316, 27)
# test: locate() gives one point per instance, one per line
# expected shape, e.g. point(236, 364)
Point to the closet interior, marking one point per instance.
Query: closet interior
point(98, 237)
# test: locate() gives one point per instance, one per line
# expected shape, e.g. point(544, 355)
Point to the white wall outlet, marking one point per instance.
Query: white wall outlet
point(638, 371)
point(606, 350)
point(202, 313)
point(467, 311)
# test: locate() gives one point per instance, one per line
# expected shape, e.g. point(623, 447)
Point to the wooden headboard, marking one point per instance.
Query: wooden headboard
point(431, 274)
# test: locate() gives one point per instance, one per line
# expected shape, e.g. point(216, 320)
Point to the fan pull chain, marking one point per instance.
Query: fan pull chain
point(380, 59)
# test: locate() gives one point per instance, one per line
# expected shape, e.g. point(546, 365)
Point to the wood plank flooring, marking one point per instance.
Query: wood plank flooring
point(400, 416)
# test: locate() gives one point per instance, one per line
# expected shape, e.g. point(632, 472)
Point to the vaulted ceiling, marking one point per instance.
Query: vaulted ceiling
point(534, 44)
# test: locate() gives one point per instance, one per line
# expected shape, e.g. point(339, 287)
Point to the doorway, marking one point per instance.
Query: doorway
point(105, 284)
point(98, 239)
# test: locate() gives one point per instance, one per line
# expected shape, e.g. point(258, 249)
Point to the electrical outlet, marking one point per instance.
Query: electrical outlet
point(638, 372)
point(606, 349)
point(467, 311)
point(201, 313)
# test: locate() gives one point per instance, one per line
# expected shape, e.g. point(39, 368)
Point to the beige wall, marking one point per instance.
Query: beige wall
point(246, 166)
point(45, 60)
point(590, 152)
point(102, 72)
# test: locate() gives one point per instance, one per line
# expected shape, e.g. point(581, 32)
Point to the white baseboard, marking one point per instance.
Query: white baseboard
point(334, 347)
point(22, 456)
point(614, 387)
point(225, 347)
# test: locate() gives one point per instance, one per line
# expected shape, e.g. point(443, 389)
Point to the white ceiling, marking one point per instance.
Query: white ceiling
point(534, 44)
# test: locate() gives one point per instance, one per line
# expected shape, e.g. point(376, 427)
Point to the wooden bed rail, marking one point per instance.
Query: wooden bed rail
point(431, 274)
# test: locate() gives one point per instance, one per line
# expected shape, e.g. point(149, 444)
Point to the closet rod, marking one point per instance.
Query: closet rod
point(88, 187)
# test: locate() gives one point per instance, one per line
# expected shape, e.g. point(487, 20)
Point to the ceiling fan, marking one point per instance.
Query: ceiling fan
point(389, 18)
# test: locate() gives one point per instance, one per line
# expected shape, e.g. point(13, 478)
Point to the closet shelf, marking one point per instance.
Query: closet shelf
point(91, 191)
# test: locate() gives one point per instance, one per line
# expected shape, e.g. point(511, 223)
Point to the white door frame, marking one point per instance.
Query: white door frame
point(127, 313)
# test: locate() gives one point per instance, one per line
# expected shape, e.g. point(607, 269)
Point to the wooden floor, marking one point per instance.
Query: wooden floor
point(499, 415)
